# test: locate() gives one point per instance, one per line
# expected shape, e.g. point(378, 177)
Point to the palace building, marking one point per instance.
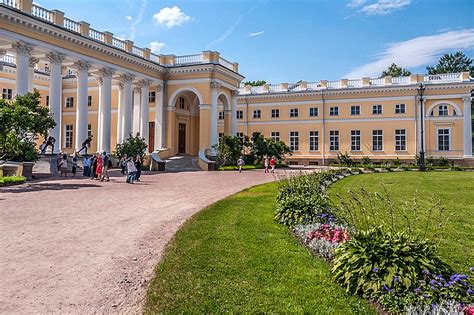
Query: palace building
point(96, 84)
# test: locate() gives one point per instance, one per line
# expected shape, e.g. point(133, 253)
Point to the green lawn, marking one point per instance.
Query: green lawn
point(233, 257)
point(456, 191)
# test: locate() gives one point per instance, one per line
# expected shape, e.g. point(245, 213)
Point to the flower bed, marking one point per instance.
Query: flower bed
point(392, 266)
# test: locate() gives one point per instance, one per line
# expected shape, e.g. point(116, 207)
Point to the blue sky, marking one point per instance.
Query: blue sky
point(287, 41)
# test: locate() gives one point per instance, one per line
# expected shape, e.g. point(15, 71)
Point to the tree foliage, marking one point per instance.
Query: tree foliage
point(451, 63)
point(230, 149)
point(255, 83)
point(395, 71)
point(261, 147)
point(21, 121)
point(132, 147)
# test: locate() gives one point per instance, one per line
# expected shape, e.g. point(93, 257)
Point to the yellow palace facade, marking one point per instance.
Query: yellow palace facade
point(96, 84)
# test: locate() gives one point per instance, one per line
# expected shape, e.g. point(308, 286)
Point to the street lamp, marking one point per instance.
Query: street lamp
point(421, 163)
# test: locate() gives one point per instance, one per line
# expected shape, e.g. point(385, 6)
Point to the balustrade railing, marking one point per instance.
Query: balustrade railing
point(257, 89)
point(442, 77)
point(137, 51)
point(354, 83)
point(8, 59)
point(377, 81)
point(188, 59)
point(334, 84)
point(10, 3)
point(313, 85)
point(226, 63)
point(118, 43)
point(95, 34)
point(72, 25)
point(41, 13)
point(401, 80)
point(274, 87)
point(154, 57)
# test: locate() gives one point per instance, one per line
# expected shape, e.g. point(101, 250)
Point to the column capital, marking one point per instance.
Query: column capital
point(106, 72)
point(126, 78)
point(234, 93)
point(82, 65)
point(144, 83)
point(466, 99)
point(137, 89)
point(33, 61)
point(55, 57)
point(159, 87)
point(3, 52)
point(23, 48)
point(215, 85)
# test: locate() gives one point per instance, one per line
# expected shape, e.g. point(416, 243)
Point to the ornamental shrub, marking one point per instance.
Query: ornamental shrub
point(131, 147)
point(344, 159)
point(366, 161)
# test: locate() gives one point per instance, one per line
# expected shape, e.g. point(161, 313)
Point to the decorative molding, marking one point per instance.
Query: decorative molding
point(215, 86)
point(120, 86)
point(55, 57)
point(106, 72)
point(144, 83)
point(159, 88)
point(33, 61)
point(126, 78)
point(23, 48)
point(234, 93)
point(82, 65)
point(137, 90)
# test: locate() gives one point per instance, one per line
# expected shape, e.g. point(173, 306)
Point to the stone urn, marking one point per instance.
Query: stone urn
point(28, 169)
point(12, 168)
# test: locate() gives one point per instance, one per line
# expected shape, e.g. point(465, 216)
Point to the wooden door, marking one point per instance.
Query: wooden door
point(151, 137)
point(181, 138)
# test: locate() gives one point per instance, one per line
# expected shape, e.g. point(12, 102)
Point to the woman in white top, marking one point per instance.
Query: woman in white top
point(64, 166)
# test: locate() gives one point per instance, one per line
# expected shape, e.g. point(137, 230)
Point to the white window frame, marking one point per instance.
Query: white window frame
point(257, 114)
point(399, 140)
point(357, 107)
point(334, 111)
point(240, 135)
point(275, 135)
point(400, 108)
point(334, 140)
point(294, 112)
point(313, 140)
point(313, 112)
point(7, 94)
point(181, 103)
point(294, 140)
point(239, 114)
point(221, 115)
point(69, 102)
point(443, 110)
point(373, 147)
point(357, 140)
point(152, 97)
point(275, 113)
point(65, 145)
point(449, 139)
point(89, 100)
point(375, 109)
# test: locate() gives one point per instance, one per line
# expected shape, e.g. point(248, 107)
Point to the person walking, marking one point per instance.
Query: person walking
point(131, 171)
point(273, 163)
point(123, 164)
point(86, 166)
point(74, 165)
point(93, 166)
point(138, 165)
point(107, 163)
point(63, 166)
point(58, 162)
point(85, 144)
point(240, 164)
point(265, 164)
point(100, 166)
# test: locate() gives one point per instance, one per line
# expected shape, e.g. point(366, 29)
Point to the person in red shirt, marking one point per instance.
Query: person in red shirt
point(273, 163)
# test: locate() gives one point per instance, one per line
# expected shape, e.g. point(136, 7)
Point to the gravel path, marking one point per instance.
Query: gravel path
point(82, 246)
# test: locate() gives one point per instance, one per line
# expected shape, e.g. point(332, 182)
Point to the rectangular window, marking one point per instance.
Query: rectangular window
point(334, 111)
point(443, 139)
point(355, 140)
point(69, 101)
point(46, 68)
point(68, 134)
point(313, 112)
point(334, 140)
point(399, 108)
point(400, 140)
point(377, 110)
point(239, 114)
point(355, 110)
point(151, 97)
point(377, 140)
point(443, 110)
point(275, 135)
point(181, 103)
point(293, 112)
point(47, 100)
point(275, 113)
point(240, 135)
point(257, 113)
point(89, 100)
point(314, 140)
point(7, 94)
point(221, 115)
point(89, 133)
point(294, 140)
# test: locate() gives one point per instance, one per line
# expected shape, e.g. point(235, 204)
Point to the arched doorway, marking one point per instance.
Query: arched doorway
point(225, 113)
point(184, 122)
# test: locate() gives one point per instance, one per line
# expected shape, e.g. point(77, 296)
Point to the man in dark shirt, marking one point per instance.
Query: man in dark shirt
point(85, 144)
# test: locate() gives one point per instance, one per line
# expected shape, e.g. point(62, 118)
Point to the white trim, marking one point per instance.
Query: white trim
point(395, 140)
point(444, 118)
point(458, 110)
point(449, 139)
point(383, 141)
point(172, 98)
point(202, 80)
point(327, 121)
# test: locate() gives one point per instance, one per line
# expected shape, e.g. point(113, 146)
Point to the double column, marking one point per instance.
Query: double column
point(23, 53)
point(125, 107)
point(55, 90)
point(144, 110)
point(233, 119)
point(81, 109)
point(105, 108)
point(159, 117)
point(467, 127)
point(214, 140)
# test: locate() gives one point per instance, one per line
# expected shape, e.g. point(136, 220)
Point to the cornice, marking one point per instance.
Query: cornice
point(206, 68)
point(20, 19)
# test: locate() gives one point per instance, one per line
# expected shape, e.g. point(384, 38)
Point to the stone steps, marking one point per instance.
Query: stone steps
point(182, 163)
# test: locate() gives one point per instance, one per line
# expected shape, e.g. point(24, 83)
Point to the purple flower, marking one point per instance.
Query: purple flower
point(426, 272)
point(387, 288)
point(375, 269)
point(469, 292)
point(471, 269)
point(433, 282)
point(396, 279)
point(426, 296)
point(417, 290)
point(439, 277)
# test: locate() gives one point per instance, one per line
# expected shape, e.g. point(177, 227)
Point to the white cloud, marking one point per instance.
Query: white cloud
point(133, 26)
point(256, 33)
point(171, 17)
point(156, 47)
point(378, 7)
point(419, 51)
point(128, 18)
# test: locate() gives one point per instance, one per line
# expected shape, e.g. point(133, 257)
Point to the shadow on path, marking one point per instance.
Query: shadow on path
point(46, 186)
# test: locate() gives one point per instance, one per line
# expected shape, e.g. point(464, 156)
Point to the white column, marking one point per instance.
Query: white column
point(233, 119)
point(120, 113)
point(105, 108)
point(3, 52)
point(467, 127)
point(55, 96)
point(23, 52)
point(81, 104)
point(137, 94)
point(31, 72)
point(127, 105)
point(145, 111)
point(214, 115)
point(159, 117)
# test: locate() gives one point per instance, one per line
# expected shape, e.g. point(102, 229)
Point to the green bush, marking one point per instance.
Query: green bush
point(366, 161)
point(132, 147)
point(8, 180)
point(442, 161)
point(344, 159)
point(374, 260)
point(229, 150)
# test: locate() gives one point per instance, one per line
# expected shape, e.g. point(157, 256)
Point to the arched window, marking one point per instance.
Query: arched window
point(181, 103)
point(443, 110)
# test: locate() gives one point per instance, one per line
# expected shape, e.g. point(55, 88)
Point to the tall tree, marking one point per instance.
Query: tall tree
point(255, 83)
point(395, 71)
point(451, 63)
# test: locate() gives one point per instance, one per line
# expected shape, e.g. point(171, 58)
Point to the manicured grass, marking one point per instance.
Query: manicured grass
point(247, 167)
point(456, 191)
point(233, 257)
point(11, 180)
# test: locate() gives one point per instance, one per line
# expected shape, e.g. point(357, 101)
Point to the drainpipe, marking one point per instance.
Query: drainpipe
point(323, 129)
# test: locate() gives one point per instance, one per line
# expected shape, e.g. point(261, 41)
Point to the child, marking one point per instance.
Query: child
point(131, 170)
point(240, 163)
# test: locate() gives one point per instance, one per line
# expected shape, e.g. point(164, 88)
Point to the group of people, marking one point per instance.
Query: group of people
point(272, 162)
point(132, 167)
point(97, 166)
